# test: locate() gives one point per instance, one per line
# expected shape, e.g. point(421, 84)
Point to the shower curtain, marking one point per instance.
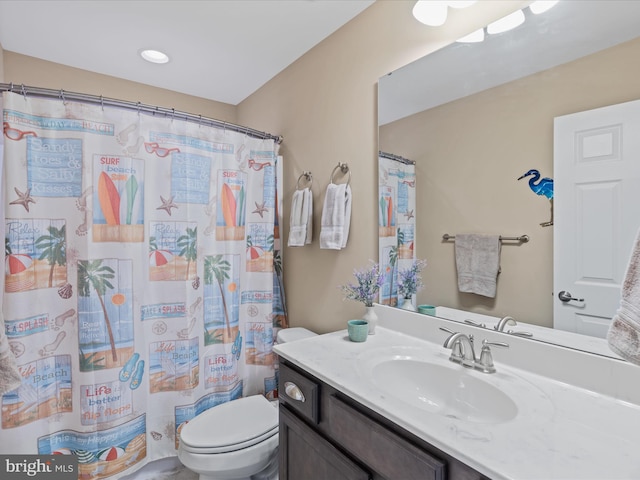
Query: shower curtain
point(396, 221)
point(142, 278)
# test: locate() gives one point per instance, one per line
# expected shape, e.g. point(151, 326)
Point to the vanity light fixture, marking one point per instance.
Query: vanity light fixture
point(473, 37)
point(431, 13)
point(434, 12)
point(507, 23)
point(541, 6)
point(154, 56)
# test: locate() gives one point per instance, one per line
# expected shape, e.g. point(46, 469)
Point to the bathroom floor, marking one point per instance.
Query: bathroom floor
point(166, 469)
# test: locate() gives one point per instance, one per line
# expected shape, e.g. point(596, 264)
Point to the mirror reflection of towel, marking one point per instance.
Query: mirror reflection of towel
point(623, 336)
point(478, 263)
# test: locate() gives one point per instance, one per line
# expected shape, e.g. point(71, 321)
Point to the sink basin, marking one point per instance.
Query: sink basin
point(451, 392)
point(424, 379)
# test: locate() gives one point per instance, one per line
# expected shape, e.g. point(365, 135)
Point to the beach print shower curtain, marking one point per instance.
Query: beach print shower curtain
point(396, 222)
point(142, 278)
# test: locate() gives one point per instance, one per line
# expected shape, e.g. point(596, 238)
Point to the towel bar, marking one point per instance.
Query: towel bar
point(344, 168)
point(521, 238)
point(306, 175)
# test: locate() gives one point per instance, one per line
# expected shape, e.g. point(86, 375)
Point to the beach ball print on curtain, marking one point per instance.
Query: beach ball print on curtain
point(143, 278)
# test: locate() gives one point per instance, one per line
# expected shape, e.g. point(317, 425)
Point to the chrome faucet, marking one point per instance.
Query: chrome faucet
point(462, 351)
point(504, 321)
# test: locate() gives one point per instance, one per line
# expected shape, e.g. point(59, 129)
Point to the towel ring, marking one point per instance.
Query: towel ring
point(306, 175)
point(344, 168)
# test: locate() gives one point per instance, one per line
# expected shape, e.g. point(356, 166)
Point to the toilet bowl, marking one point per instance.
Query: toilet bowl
point(237, 440)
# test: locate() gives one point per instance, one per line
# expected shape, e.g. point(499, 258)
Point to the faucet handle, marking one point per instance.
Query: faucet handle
point(475, 324)
point(485, 364)
point(445, 329)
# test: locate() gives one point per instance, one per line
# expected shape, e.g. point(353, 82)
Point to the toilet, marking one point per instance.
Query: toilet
point(237, 440)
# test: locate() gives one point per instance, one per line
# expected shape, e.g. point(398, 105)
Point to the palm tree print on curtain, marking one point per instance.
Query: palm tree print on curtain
point(99, 346)
point(35, 260)
point(54, 250)
point(187, 244)
point(220, 299)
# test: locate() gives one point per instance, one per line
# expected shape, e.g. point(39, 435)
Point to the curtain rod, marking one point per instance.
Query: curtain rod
point(397, 158)
point(137, 106)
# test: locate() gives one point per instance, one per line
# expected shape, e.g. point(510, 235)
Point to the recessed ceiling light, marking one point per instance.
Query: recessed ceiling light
point(154, 56)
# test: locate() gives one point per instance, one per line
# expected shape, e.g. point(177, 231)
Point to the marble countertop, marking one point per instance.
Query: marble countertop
point(561, 432)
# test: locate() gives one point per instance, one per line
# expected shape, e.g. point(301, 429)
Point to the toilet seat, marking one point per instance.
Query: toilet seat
point(231, 426)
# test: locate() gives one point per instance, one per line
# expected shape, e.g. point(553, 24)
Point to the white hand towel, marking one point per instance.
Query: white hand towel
point(347, 215)
point(623, 336)
point(297, 223)
point(308, 203)
point(478, 263)
point(336, 217)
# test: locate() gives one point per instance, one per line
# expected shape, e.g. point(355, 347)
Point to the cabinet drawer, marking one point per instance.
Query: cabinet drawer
point(305, 455)
point(379, 448)
point(299, 392)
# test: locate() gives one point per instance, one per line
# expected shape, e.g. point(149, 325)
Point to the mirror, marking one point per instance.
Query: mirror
point(475, 117)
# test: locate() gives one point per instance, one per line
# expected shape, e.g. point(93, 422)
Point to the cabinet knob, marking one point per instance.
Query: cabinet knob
point(293, 391)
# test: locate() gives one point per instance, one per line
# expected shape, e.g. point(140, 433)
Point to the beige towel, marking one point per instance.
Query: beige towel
point(623, 336)
point(478, 263)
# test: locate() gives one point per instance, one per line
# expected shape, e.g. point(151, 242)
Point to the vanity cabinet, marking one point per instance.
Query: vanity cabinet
point(326, 435)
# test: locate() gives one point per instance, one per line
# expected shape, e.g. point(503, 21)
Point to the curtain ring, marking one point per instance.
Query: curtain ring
point(64, 101)
point(138, 105)
point(24, 93)
point(102, 102)
point(199, 121)
point(173, 114)
point(344, 168)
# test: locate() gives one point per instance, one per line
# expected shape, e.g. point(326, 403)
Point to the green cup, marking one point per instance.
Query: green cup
point(427, 309)
point(358, 330)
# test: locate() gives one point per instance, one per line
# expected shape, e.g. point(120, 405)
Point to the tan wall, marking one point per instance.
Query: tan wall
point(325, 106)
point(22, 69)
point(469, 154)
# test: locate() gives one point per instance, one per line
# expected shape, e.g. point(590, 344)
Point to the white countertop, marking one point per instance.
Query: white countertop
point(561, 432)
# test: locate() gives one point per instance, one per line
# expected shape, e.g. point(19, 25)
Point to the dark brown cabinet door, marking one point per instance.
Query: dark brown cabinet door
point(305, 455)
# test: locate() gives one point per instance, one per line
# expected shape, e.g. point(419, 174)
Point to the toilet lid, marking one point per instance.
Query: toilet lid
point(231, 426)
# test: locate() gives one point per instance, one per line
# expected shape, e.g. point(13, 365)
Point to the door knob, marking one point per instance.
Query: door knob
point(565, 296)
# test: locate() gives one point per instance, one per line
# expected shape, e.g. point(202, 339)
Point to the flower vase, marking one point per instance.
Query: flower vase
point(407, 304)
point(371, 317)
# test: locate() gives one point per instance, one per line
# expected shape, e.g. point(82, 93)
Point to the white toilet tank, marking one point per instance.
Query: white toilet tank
point(292, 334)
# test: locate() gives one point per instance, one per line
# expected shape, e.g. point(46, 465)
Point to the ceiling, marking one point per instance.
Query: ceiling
point(222, 50)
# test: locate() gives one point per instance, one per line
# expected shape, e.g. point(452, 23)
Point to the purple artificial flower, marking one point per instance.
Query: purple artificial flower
point(367, 286)
point(409, 279)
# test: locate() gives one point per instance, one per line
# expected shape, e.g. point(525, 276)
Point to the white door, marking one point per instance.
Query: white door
point(597, 213)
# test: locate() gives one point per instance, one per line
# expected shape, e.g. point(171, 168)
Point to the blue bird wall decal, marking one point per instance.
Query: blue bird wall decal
point(543, 187)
